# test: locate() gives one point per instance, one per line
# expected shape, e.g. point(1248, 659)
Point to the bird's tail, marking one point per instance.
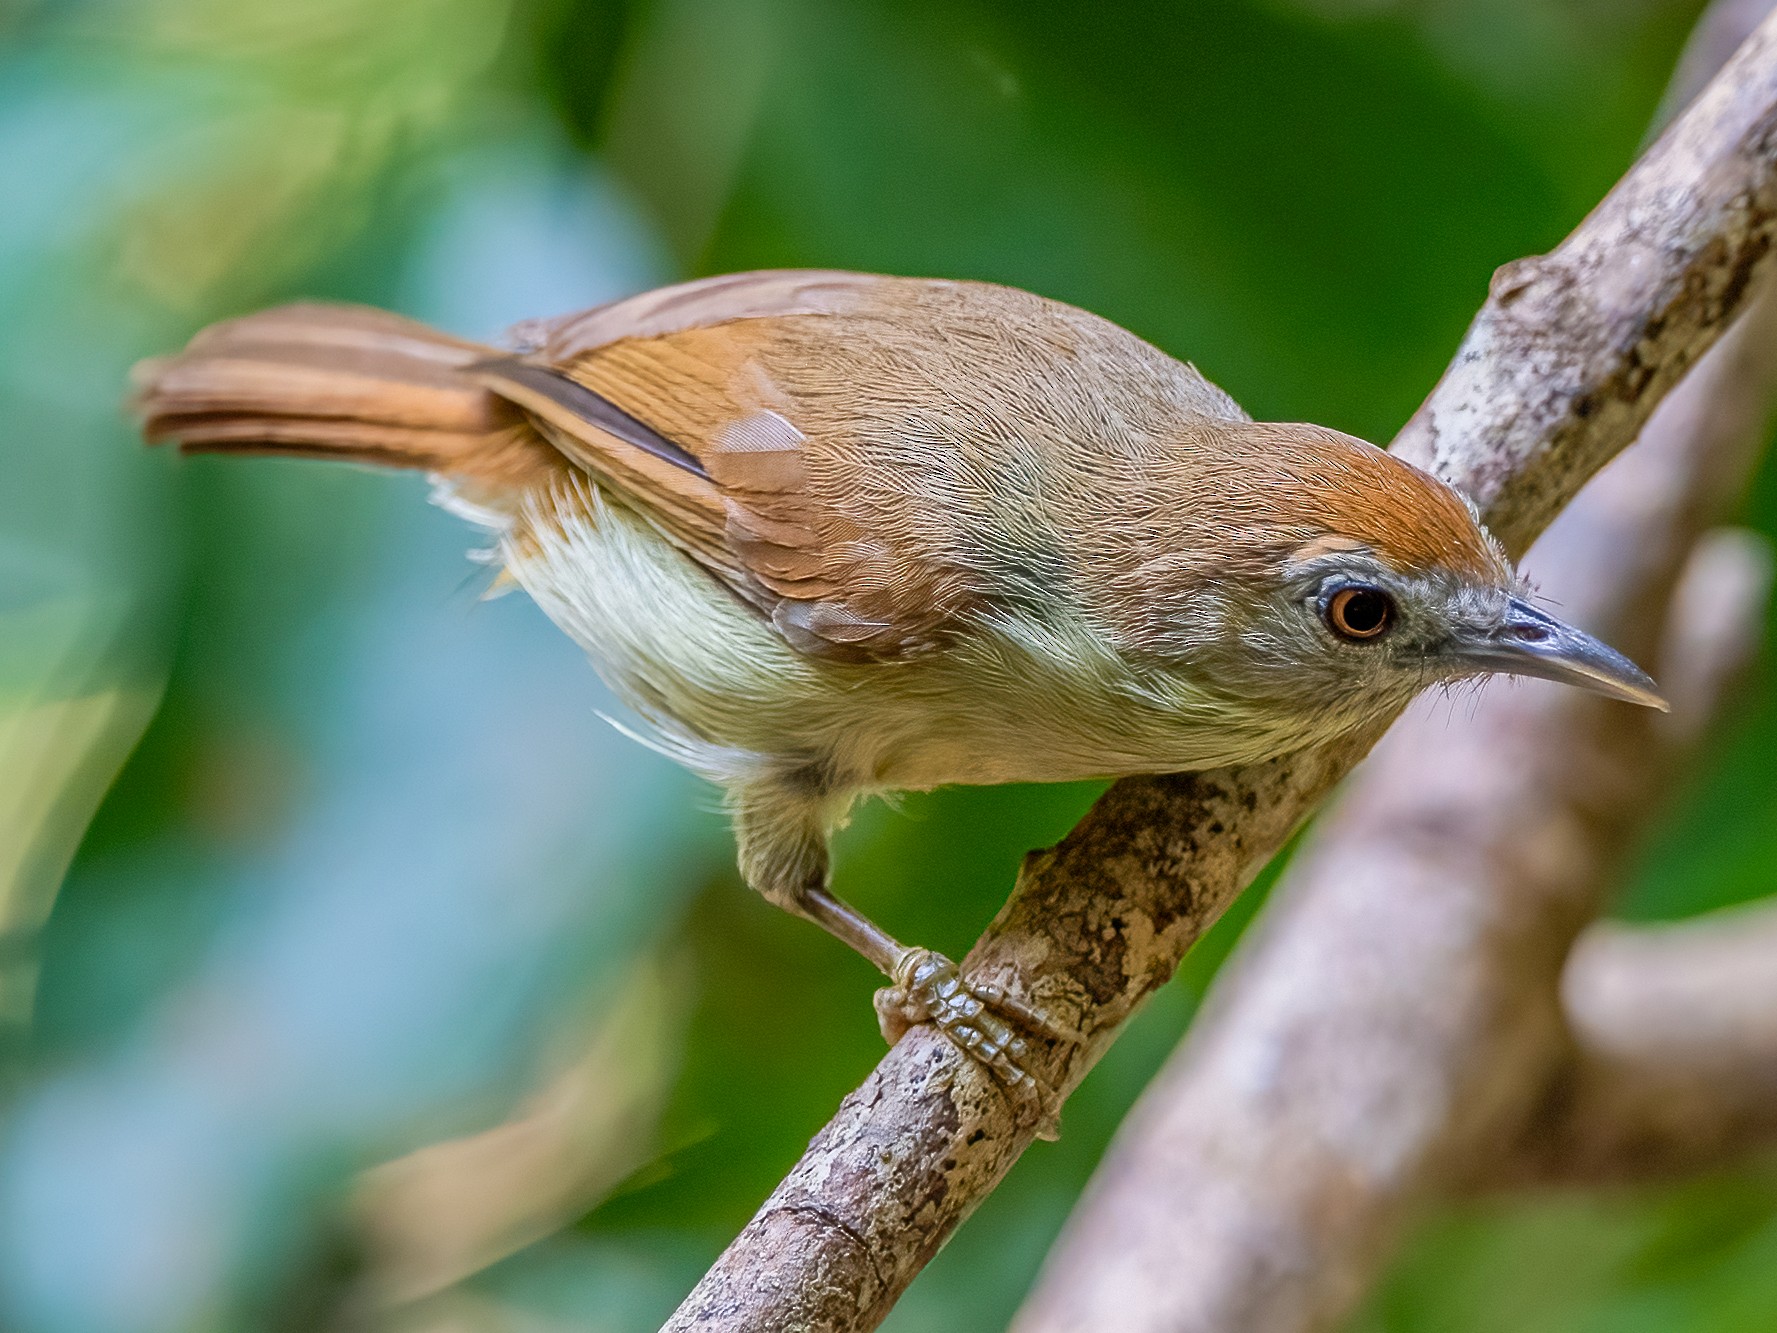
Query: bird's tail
point(337, 381)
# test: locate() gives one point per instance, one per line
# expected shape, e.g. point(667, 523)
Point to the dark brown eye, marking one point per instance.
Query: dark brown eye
point(1359, 613)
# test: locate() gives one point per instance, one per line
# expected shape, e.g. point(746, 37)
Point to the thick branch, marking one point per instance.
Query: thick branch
point(1559, 371)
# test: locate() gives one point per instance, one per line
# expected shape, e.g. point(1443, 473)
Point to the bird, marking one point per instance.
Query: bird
point(832, 535)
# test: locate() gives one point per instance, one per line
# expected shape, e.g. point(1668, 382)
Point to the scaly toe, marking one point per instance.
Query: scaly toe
point(929, 989)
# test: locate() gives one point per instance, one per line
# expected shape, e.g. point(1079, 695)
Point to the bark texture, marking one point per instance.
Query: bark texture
point(1560, 370)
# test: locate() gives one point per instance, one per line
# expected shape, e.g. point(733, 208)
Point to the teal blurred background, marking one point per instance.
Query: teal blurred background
point(311, 856)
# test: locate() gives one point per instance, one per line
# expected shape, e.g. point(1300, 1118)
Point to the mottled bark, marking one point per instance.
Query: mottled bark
point(1563, 365)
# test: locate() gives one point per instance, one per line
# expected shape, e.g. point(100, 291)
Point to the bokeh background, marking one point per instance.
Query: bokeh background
point(311, 855)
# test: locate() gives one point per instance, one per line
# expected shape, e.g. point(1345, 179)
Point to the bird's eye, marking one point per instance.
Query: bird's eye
point(1358, 613)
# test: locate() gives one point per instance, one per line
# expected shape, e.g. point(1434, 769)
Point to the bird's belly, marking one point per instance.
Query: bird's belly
point(1039, 730)
point(962, 758)
point(977, 756)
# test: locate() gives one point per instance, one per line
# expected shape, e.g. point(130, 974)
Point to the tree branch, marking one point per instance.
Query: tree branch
point(1560, 369)
point(1676, 1067)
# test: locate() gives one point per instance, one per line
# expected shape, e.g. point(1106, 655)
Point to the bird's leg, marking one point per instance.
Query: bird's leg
point(929, 988)
point(927, 985)
point(783, 853)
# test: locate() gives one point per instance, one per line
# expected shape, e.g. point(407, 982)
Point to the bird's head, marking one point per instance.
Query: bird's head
point(1346, 580)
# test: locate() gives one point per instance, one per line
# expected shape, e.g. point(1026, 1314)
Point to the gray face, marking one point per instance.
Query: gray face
point(1346, 634)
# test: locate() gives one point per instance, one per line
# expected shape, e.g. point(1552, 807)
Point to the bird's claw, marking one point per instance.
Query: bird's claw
point(928, 988)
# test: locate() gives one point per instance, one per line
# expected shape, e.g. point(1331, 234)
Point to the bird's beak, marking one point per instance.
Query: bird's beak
point(1529, 642)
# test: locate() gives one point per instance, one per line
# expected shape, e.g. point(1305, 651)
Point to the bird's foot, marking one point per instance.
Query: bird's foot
point(929, 989)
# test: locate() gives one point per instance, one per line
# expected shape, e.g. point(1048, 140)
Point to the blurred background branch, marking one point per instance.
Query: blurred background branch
point(1675, 1061)
point(449, 1210)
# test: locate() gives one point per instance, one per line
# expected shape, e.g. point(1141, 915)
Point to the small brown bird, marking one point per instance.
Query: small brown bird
point(833, 534)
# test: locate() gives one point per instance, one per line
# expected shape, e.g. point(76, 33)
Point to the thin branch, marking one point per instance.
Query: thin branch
point(1559, 371)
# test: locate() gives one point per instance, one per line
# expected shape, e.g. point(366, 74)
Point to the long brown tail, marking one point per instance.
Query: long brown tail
point(337, 381)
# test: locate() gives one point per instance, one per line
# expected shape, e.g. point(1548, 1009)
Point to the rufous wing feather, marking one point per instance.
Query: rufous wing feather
point(751, 475)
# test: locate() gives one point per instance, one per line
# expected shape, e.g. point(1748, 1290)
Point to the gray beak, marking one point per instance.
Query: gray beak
point(1529, 642)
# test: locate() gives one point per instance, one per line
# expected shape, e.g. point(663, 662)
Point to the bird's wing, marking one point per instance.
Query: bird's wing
point(857, 456)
